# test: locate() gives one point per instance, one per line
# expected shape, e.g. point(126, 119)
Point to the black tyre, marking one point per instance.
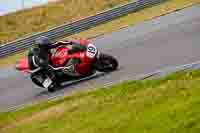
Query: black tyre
point(106, 63)
point(52, 88)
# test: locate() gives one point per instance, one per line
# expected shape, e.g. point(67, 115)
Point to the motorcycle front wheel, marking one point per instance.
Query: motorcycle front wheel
point(106, 63)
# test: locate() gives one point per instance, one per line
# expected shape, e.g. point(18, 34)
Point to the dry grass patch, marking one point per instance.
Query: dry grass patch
point(137, 17)
point(38, 19)
point(39, 116)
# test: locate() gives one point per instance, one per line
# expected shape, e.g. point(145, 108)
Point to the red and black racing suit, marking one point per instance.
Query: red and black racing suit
point(38, 57)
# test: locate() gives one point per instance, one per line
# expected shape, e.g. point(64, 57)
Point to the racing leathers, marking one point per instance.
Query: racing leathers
point(39, 57)
point(74, 47)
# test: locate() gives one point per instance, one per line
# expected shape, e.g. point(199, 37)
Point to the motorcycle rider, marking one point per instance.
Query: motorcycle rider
point(38, 56)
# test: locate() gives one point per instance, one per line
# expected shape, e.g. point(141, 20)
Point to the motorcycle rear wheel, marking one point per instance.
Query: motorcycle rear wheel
point(52, 88)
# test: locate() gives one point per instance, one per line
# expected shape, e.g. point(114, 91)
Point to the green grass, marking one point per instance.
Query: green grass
point(165, 105)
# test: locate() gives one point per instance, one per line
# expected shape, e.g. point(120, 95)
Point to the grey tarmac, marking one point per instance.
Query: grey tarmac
point(170, 40)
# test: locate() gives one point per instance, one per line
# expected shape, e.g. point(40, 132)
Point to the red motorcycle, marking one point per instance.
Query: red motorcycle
point(91, 61)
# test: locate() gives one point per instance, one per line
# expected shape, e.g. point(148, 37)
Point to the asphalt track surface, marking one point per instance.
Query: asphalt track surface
point(170, 40)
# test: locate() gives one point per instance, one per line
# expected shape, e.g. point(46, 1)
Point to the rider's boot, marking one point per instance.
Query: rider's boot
point(52, 76)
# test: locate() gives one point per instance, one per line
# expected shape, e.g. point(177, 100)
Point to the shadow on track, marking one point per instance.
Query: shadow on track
point(67, 85)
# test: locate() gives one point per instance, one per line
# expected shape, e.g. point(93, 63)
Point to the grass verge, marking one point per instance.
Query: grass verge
point(53, 14)
point(167, 105)
point(138, 17)
point(131, 19)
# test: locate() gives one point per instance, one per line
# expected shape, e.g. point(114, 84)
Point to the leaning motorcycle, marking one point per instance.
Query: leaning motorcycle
point(92, 60)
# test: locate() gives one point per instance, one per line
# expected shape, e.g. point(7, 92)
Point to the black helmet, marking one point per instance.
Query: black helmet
point(43, 42)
